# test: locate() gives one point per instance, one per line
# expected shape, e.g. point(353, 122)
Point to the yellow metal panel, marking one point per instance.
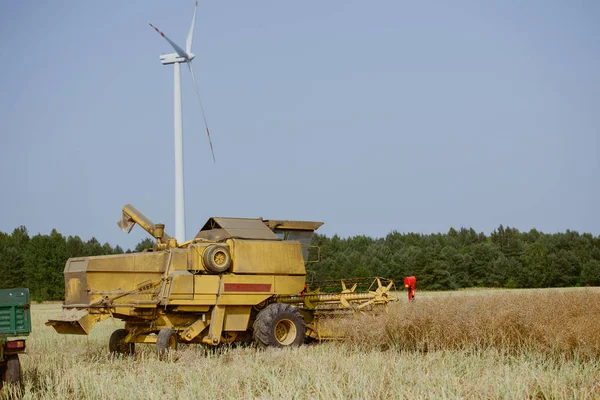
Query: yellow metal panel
point(266, 257)
point(76, 282)
point(206, 284)
point(97, 277)
point(151, 262)
point(107, 282)
point(289, 284)
point(198, 300)
point(236, 318)
point(179, 260)
point(117, 281)
point(233, 283)
point(121, 262)
point(113, 273)
point(246, 289)
point(74, 291)
point(243, 299)
point(182, 285)
point(147, 262)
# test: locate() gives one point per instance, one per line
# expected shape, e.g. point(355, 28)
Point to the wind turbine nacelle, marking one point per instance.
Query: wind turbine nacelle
point(171, 59)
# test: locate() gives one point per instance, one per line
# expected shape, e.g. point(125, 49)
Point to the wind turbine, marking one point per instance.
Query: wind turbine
point(181, 56)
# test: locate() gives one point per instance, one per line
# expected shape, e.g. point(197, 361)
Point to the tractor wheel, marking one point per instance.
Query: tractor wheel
point(12, 373)
point(216, 258)
point(117, 345)
point(166, 341)
point(279, 325)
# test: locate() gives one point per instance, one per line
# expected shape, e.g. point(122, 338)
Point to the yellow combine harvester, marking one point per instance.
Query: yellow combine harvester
point(239, 279)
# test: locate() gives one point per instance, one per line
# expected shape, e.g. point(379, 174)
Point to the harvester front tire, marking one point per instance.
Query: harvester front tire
point(217, 259)
point(166, 341)
point(12, 373)
point(117, 345)
point(279, 325)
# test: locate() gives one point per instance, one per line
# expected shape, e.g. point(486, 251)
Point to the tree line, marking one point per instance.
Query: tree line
point(457, 259)
point(465, 258)
point(37, 262)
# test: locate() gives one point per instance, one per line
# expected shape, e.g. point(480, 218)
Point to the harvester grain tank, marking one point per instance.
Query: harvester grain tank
point(239, 279)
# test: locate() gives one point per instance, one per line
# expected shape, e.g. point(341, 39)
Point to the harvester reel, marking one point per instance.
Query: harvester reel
point(380, 296)
point(279, 325)
point(346, 290)
point(217, 259)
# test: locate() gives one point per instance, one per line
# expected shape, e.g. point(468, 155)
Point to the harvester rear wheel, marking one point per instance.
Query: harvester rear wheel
point(279, 325)
point(166, 341)
point(117, 344)
point(216, 258)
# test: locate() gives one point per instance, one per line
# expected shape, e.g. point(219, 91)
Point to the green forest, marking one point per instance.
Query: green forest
point(457, 259)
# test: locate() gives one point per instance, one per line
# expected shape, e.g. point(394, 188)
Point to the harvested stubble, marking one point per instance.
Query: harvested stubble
point(550, 322)
point(79, 367)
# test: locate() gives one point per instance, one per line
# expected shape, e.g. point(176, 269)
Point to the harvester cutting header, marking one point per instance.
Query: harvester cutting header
point(239, 279)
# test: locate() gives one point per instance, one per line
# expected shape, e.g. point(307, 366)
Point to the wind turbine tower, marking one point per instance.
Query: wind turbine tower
point(175, 59)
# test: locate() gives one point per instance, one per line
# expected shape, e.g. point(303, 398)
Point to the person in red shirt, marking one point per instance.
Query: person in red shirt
point(410, 282)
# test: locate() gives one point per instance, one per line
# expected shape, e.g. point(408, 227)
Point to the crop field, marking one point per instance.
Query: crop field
point(466, 344)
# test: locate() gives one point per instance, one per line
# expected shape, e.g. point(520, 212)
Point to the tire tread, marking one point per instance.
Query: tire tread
point(268, 317)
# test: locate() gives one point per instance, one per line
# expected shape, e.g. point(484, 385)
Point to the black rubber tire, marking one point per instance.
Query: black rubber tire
point(166, 341)
point(12, 372)
point(275, 319)
point(216, 258)
point(117, 345)
point(2, 370)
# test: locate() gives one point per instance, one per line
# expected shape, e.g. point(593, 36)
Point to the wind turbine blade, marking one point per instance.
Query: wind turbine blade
point(180, 52)
point(189, 63)
point(190, 36)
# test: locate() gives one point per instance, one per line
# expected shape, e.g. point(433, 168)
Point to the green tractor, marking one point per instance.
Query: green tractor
point(15, 321)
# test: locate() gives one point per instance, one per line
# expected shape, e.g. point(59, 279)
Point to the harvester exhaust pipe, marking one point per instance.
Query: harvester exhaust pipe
point(132, 216)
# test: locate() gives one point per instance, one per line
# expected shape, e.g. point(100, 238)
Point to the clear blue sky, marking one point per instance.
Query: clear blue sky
point(371, 116)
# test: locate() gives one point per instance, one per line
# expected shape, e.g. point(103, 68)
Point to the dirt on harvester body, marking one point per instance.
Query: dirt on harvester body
point(239, 279)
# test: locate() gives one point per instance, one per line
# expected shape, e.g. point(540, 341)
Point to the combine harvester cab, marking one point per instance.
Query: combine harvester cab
point(239, 279)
